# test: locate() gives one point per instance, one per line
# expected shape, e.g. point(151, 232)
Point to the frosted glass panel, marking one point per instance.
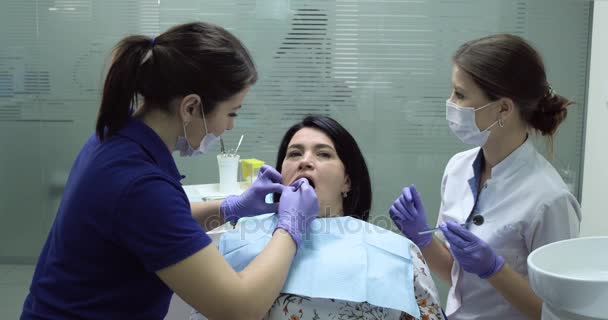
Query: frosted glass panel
point(381, 68)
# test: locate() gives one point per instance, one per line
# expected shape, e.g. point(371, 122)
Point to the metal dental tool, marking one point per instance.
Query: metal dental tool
point(477, 220)
point(238, 145)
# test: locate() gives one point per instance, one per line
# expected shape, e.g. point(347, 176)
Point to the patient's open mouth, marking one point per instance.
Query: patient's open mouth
point(310, 181)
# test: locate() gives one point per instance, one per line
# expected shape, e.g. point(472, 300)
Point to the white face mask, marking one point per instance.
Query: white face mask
point(186, 150)
point(462, 123)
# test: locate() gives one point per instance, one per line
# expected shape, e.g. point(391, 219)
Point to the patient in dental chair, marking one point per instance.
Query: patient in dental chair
point(346, 268)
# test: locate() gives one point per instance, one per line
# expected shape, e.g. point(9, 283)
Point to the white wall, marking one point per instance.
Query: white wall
point(595, 175)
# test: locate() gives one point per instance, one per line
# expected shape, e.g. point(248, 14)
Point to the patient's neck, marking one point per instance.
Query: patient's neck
point(331, 209)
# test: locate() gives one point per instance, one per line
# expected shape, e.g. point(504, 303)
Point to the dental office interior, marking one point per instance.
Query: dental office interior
point(380, 67)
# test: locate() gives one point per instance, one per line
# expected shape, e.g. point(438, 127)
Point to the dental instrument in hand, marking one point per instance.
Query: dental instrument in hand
point(233, 223)
point(477, 220)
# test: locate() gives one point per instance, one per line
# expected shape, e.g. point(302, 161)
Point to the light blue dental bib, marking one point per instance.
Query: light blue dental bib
point(340, 258)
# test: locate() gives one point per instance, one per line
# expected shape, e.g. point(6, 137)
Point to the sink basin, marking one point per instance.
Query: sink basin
point(571, 276)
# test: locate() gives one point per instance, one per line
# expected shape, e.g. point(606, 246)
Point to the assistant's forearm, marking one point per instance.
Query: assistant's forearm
point(516, 289)
point(439, 259)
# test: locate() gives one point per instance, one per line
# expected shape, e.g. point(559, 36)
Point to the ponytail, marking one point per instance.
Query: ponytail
point(196, 57)
point(120, 87)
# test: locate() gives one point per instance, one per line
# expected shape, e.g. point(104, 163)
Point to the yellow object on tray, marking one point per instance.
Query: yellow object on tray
point(250, 169)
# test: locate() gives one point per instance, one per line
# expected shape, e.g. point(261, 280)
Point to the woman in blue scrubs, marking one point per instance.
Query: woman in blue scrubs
point(125, 237)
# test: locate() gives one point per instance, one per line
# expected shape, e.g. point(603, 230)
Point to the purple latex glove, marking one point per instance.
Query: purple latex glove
point(473, 254)
point(409, 216)
point(298, 207)
point(253, 201)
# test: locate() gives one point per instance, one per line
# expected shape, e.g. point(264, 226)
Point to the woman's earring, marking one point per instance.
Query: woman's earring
point(501, 123)
point(344, 194)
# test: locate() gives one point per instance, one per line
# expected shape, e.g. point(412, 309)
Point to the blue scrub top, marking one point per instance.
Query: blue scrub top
point(123, 216)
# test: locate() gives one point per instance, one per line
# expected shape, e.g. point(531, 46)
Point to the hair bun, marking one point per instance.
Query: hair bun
point(550, 113)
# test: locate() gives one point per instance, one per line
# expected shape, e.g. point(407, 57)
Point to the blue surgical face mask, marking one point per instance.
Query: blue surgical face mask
point(186, 150)
point(462, 123)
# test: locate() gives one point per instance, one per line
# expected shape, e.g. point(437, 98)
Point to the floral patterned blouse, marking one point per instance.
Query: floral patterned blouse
point(293, 307)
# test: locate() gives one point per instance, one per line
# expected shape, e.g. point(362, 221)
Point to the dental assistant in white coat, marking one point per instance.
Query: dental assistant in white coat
point(500, 94)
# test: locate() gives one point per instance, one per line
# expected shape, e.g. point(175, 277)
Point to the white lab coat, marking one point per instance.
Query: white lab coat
point(525, 205)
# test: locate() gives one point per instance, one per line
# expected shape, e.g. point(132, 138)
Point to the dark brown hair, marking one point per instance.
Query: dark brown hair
point(193, 58)
point(358, 201)
point(505, 65)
